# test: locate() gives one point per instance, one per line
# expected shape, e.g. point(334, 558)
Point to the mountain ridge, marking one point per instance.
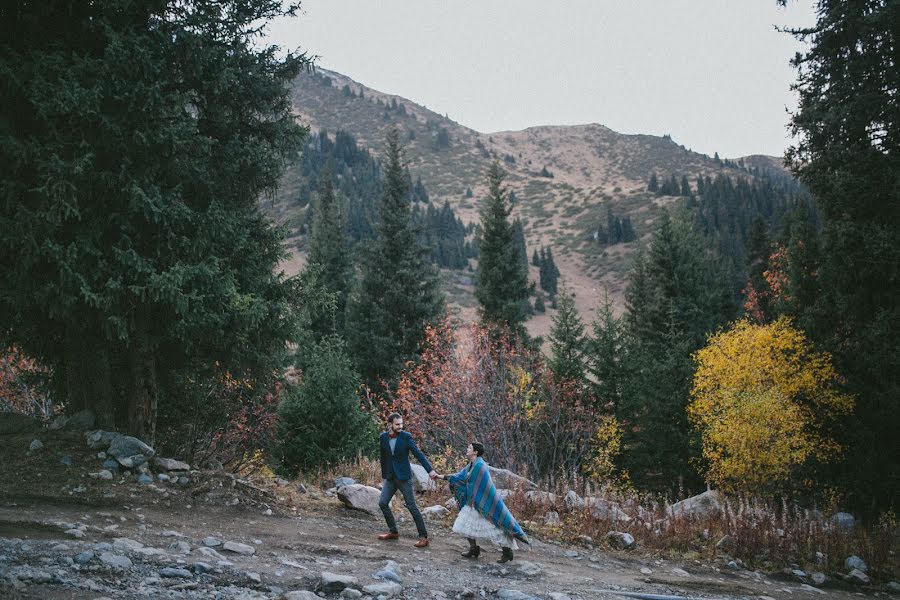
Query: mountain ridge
point(565, 177)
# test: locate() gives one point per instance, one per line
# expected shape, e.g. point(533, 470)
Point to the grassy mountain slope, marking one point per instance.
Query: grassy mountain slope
point(593, 169)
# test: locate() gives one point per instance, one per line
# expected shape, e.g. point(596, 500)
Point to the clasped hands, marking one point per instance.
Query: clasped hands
point(434, 475)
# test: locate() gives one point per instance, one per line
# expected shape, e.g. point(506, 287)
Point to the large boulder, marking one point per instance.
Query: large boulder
point(707, 504)
point(606, 510)
point(504, 478)
point(81, 421)
point(11, 422)
point(99, 439)
point(360, 497)
point(620, 540)
point(421, 481)
point(130, 451)
point(170, 464)
point(540, 497)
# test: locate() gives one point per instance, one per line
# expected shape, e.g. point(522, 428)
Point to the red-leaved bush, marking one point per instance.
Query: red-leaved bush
point(475, 384)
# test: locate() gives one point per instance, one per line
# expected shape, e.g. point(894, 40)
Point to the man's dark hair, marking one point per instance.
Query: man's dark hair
point(394, 416)
point(478, 447)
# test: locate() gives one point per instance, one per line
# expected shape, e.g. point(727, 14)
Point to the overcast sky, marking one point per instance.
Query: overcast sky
point(713, 74)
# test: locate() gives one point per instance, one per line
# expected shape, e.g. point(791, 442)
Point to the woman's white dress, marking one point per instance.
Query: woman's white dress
point(471, 524)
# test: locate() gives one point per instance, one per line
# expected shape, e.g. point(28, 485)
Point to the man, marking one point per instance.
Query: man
point(396, 445)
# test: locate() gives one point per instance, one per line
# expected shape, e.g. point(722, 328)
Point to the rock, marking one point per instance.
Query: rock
point(818, 578)
point(586, 540)
point(559, 596)
point(843, 520)
point(239, 548)
point(211, 542)
point(505, 479)
point(540, 497)
point(703, 505)
point(126, 446)
point(182, 481)
point(858, 577)
point(126, 545)
point(213, 464)
point(733, 565)
point(144, 479)
point(81, 421)
point(573, 501)
point(332, 583)
point(102, 474)
point(681, 572)
point(301, 488)
point(299, 595)
point(435, 512)
point(57, 422)
point(201, 567)
point(254, 577)
point(855, 562)
point(110, 463)
point(173, 572)
point(35, 445)
point(808, 588)
point(388, 588)
point(571, 554)
point(351, 593)
point(388, 576)
point(282, 482)
point(83, 558)
point(360, 497)
point(514, 595)
point(529, 569)
point(552, 519)
point(116, 561)
point(208, 553)
point(725, 543)
point(170, 464)
point(66, 460)
point(646, 571)
point(11, 422)
point(421, 481)
point(180, 547)
point(343, 482)
point(893, 587)
point(75, 533)
point(99, 439)
point(798, 573)
point(620, 540)
point(603, 509)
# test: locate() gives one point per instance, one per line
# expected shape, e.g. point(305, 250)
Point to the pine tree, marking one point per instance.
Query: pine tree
point(328, 249)
point(549, 273)
point(567, 341)
point(501, 283)
point(398, 293)
point(604, 356)
point(535, 259)
point(137, 139)
point(848, 154)
point(653, 186)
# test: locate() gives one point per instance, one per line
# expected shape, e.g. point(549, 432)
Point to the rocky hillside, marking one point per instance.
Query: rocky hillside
point(565, 178)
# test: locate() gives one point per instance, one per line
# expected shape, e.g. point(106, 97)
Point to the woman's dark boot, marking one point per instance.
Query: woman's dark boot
point(507, 555)
point(474, 549)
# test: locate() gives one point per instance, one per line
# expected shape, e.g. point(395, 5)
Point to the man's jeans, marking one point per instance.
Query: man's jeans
point(388, 490)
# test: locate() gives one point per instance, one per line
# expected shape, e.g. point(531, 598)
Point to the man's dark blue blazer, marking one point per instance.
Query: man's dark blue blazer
point(397, 464)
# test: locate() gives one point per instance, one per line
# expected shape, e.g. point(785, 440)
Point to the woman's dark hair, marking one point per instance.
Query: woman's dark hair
point(478, 447)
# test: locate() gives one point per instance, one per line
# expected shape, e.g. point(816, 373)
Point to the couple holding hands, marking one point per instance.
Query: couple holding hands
point(482, 513)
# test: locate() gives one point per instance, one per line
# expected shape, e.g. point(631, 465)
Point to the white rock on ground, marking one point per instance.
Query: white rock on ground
point(360, 497)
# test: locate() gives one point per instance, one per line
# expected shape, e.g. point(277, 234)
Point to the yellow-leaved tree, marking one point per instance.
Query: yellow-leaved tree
point(761, 400)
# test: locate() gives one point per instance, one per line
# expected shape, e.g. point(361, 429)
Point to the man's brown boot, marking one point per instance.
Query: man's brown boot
point(421, 543)
point(388, 536)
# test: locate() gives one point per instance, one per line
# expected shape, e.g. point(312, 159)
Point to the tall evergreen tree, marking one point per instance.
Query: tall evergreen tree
point(567, 341)
point(329, 250)
point(137, 139)
point(848, 154)
point(604, 355)
point(671, 305)
point(398, 293)
point(549, 273)
point(502, 282)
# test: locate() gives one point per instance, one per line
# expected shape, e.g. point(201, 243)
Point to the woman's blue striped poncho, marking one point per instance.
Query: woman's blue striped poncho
point(473, 486)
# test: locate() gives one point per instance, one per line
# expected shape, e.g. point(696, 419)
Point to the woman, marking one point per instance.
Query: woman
point(482, 513)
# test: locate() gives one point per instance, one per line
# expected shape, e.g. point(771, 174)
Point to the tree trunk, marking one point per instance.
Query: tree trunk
point(142, 403)
point(88, 376)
